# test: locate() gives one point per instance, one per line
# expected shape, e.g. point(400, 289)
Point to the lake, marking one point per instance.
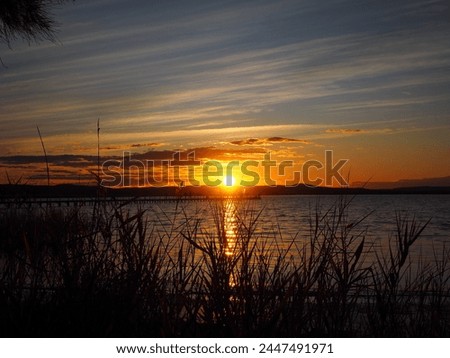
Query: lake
point(284, 221)
point(278, 266)
point(287, 219)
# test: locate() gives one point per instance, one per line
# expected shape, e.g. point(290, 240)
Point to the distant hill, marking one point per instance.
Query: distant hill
point(405, 183)
point(83, 191)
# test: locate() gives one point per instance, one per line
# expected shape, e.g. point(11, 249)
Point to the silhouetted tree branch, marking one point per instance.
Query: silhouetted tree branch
point(30, 20)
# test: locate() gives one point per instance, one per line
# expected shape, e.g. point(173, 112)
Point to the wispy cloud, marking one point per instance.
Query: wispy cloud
point(82, 167)
point(217, 85)
point(345, 131)
point(267, 141)
point(139, 145)
point(249, 74)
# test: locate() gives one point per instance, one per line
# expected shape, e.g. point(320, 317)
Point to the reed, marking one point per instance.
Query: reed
point(108, 272)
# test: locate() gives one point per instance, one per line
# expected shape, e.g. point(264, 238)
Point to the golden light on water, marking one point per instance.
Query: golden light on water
point(230, 227)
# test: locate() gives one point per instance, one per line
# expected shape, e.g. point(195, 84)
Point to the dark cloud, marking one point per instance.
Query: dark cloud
point(64, 177)
point(129, 146)
point(225, 154)
point(345, 131)
point(269, 140)
point(200, 153)
point(114, 147)
point(60, 160)
point(22, 159)
point(153, 144)
point(249, 141)
point(286, 140)
point(80, 167)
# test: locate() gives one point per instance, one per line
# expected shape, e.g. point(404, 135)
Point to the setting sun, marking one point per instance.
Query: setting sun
point(190, 169)
point(229, 181)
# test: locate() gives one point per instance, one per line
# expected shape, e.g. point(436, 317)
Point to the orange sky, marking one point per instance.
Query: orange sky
point(229, 81)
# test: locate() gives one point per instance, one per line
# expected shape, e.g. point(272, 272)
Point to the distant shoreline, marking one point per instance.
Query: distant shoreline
point(79, 191)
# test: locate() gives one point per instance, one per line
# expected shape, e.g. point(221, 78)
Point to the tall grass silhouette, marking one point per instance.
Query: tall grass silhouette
point(108, 271)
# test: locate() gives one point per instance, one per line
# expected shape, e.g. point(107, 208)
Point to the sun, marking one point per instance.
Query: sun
point(229, 181)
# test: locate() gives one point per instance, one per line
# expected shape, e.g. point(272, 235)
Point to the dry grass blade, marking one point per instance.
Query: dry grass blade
point(110, 272)
point(45, 155)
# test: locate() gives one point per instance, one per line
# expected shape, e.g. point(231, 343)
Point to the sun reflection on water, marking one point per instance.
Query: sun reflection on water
point(229, 227)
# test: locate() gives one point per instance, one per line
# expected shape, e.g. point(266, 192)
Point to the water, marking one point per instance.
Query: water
point(284, 219)
point(293, 212)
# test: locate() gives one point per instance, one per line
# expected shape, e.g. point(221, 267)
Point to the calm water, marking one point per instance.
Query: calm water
point(286, 218)
point(282, 220)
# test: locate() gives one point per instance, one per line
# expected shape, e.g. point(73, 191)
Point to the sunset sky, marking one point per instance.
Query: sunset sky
point(232, 80)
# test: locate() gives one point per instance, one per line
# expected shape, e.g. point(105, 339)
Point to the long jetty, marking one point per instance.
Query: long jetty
point(90, 201)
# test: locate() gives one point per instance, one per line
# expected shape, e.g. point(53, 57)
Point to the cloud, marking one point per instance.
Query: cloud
point(130, 146)
point(351, 131)
point(76, 166)
point(153, 144)
point(201, 153)
point(286, 140)
point(249, 141)
point(345, 131)
point(267, 141)
point(225, 154)
point(208, 85)
point(59, 160)
point(200, 75)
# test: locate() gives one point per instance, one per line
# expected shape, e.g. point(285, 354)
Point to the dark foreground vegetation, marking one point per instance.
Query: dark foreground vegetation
point(107, 272)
